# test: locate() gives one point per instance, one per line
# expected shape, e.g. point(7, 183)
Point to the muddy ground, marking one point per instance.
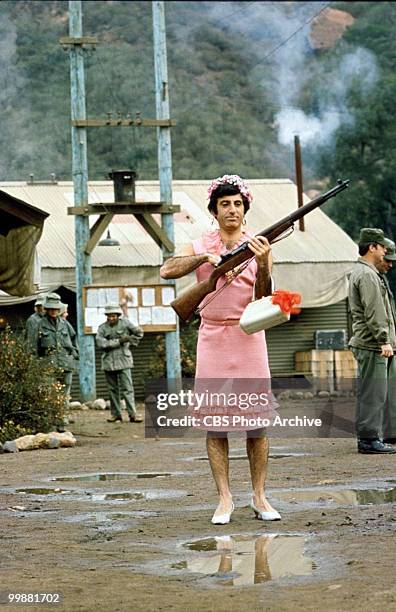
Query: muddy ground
point(335, 547)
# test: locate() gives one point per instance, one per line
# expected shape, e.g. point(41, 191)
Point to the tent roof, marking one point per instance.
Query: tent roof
point(314, 262)
point(323, 240)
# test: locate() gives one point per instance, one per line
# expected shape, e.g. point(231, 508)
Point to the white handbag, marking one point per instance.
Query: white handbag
point(264, 313)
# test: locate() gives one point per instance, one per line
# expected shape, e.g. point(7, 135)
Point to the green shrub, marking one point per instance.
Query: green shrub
point(31, 399)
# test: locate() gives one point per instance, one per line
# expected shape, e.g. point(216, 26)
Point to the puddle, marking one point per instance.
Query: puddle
point(114, 476)
point(106, 518)
point(353, 497)
point(38, 491)
point(153, 474)
point(242, 560)
point(136, 495)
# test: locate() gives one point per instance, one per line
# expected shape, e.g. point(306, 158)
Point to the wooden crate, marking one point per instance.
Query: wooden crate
point(319, 364)
point(345, 366)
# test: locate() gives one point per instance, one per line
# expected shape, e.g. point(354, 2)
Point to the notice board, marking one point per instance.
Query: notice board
point(145, 305)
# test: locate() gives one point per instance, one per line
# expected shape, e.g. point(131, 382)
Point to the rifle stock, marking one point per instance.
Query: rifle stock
point(186, 303)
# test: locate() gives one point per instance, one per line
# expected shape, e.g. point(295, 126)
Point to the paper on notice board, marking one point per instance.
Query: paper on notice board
point(168, 295)
point(131, 294)
point(133, 316)
point(163, 316)
point(144, 316)
point(148, 296)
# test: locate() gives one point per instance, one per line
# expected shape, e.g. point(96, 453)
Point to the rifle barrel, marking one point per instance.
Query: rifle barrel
point(279, 227)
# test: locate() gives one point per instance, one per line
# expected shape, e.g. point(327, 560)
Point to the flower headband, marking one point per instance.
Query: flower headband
point(231, 179)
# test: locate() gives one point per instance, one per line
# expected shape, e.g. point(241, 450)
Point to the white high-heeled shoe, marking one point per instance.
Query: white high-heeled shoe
point(265, 515)
point(222, 519)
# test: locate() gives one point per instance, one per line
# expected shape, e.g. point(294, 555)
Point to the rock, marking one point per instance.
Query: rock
point(298, 395)
point(1, 448)
point(107, 404)
point(75, 406)
point(99, 404)
point(84, 407)
point(284, 395)
point(26, 443)
point(308, 395)
point(53, 442)
point(10, 447)
point(66, 438)
point(323, 394)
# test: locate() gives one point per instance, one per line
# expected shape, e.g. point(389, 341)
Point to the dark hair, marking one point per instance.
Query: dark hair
point(363, 248)
point(225, 190)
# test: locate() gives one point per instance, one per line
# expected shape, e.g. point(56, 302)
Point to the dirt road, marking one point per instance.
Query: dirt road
point(132, 530)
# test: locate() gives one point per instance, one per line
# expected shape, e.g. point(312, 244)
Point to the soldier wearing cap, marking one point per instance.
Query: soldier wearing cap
point(387, 264)
point(63, 314)
point(114, 338)
point(35, 318)
point(51, 340)
point(373, 344)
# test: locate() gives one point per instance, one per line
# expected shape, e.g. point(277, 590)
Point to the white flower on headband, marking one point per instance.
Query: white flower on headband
point(231, 179)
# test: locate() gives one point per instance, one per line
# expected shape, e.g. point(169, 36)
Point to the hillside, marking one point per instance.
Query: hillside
point(244, 78)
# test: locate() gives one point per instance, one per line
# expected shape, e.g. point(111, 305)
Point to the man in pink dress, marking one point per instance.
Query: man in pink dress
point(224, 351)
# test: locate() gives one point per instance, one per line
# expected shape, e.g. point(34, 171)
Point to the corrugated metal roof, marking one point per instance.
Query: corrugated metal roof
point(323, 241)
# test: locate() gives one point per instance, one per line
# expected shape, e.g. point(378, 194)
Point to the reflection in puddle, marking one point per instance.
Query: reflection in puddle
point(38, 491)
point(241, 560)
point(354, 497)
point(113, 476)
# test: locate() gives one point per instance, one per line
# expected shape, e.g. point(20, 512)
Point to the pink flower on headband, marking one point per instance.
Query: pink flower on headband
point(231, 179)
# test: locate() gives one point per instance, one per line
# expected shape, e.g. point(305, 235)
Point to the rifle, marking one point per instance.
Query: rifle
point(186, 304)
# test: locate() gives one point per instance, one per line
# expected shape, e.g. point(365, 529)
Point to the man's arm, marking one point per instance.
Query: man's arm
point(262, 250)
point(186, 262)
point(375, 313)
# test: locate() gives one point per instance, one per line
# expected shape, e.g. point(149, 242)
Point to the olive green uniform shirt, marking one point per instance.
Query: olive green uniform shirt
point(51, 339)
point(372, 318)
point(117, 355)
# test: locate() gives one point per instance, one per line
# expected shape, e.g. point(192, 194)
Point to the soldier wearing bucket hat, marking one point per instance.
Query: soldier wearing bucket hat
point(373, 344)
point(114, 338)
point(51, 341)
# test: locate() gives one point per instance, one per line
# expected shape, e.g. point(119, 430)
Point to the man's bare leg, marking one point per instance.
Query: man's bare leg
point(257, 451)
point(218, 458)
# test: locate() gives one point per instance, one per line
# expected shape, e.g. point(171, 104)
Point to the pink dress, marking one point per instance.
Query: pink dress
point(227, 356)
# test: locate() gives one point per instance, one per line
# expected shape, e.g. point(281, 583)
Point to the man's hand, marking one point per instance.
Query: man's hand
point(386, 350)
point(261, 248)
point(125, 339)
point(213, 259)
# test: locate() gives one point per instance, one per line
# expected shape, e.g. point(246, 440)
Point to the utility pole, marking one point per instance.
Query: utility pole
point(172, 339)
point(80, 182)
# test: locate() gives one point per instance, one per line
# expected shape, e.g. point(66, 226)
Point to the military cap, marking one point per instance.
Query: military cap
point(52, 300)
point(371, 235)
point(39, 301)
point(63, 308)
point(113, 309)
point(390, 250)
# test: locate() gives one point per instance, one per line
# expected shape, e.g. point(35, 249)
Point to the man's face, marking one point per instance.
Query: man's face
point(230, 212)
point(378, 251)
point(39, 308)
point(52, 312)
point(384, 266)
point(112, 318)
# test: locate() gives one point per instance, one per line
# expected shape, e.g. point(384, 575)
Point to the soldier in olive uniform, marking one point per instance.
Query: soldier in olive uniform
point(34, 319)
point(51, 340)
point(389, 259)
point(373, 344)
point(114, 338)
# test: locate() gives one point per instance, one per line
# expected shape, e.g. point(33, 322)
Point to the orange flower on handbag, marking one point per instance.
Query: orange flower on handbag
point(287, 301)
